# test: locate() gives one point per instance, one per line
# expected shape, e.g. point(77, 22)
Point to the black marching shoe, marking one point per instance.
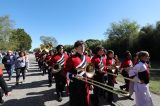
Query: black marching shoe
point(59, 97)
point(17, 84)
point(111, 104)
point(49, 85)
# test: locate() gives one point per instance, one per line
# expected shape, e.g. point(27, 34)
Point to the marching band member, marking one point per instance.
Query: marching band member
point(100, 66)
point(110, 62)
point(37, 54)
point(41, 57)
point(79, 91)
point(117, 63)
point(47, 62)
point(44, 64)
point(59, 58)
point(43, 67)
point(125, 67)
point(141, 88)
point(90, 54)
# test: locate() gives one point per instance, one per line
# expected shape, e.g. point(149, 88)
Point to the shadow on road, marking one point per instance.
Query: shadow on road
point(33, 99)
point(35, 84)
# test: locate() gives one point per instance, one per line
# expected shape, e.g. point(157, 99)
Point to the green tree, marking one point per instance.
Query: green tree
point(122, 35)
point(21, 40)
point(149, 38)
point(68, 48)
point(6, 27)
point(92, 43)
point(146, 37)
point(104, 43)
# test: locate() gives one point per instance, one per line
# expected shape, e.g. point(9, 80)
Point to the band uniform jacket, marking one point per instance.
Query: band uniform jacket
point(79, 90)
point(59, 58)
point(100, 65)
point(47, 59)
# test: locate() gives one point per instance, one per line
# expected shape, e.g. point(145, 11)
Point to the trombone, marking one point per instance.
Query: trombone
point(90, 71)
point(102, 87)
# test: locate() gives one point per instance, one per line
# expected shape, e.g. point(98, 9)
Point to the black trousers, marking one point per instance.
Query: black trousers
point(98, 91)
point(125, 74)
point(44, 69)
point(4, 87)
point(50, 76)
point(19, 71)
point(60, 81)
point(110, 83)
point(40, 64)
point(78, 93)
point(1, 95)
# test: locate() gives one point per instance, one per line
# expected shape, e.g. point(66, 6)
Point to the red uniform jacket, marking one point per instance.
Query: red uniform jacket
point(109, 62)
point(40, 56)
point(99, 62)
point(74, 61)
point(126, 63)
point(47, 59)
point(78, 61)
point(37, 53)
point(57, 58)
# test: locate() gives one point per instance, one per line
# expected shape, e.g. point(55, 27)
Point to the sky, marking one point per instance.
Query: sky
point(72, 20)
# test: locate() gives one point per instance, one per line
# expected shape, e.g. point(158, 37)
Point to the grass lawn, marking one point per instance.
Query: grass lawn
point(155, 86)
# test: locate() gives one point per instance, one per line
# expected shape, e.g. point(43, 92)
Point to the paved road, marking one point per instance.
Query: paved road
point(35, 92)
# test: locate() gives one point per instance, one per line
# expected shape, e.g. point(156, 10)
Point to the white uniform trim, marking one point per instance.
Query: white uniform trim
point(61, 58)
point(84, 58)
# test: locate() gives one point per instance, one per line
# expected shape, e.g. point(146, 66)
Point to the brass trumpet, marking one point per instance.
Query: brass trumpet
point(56, 68)
point(89, 70)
